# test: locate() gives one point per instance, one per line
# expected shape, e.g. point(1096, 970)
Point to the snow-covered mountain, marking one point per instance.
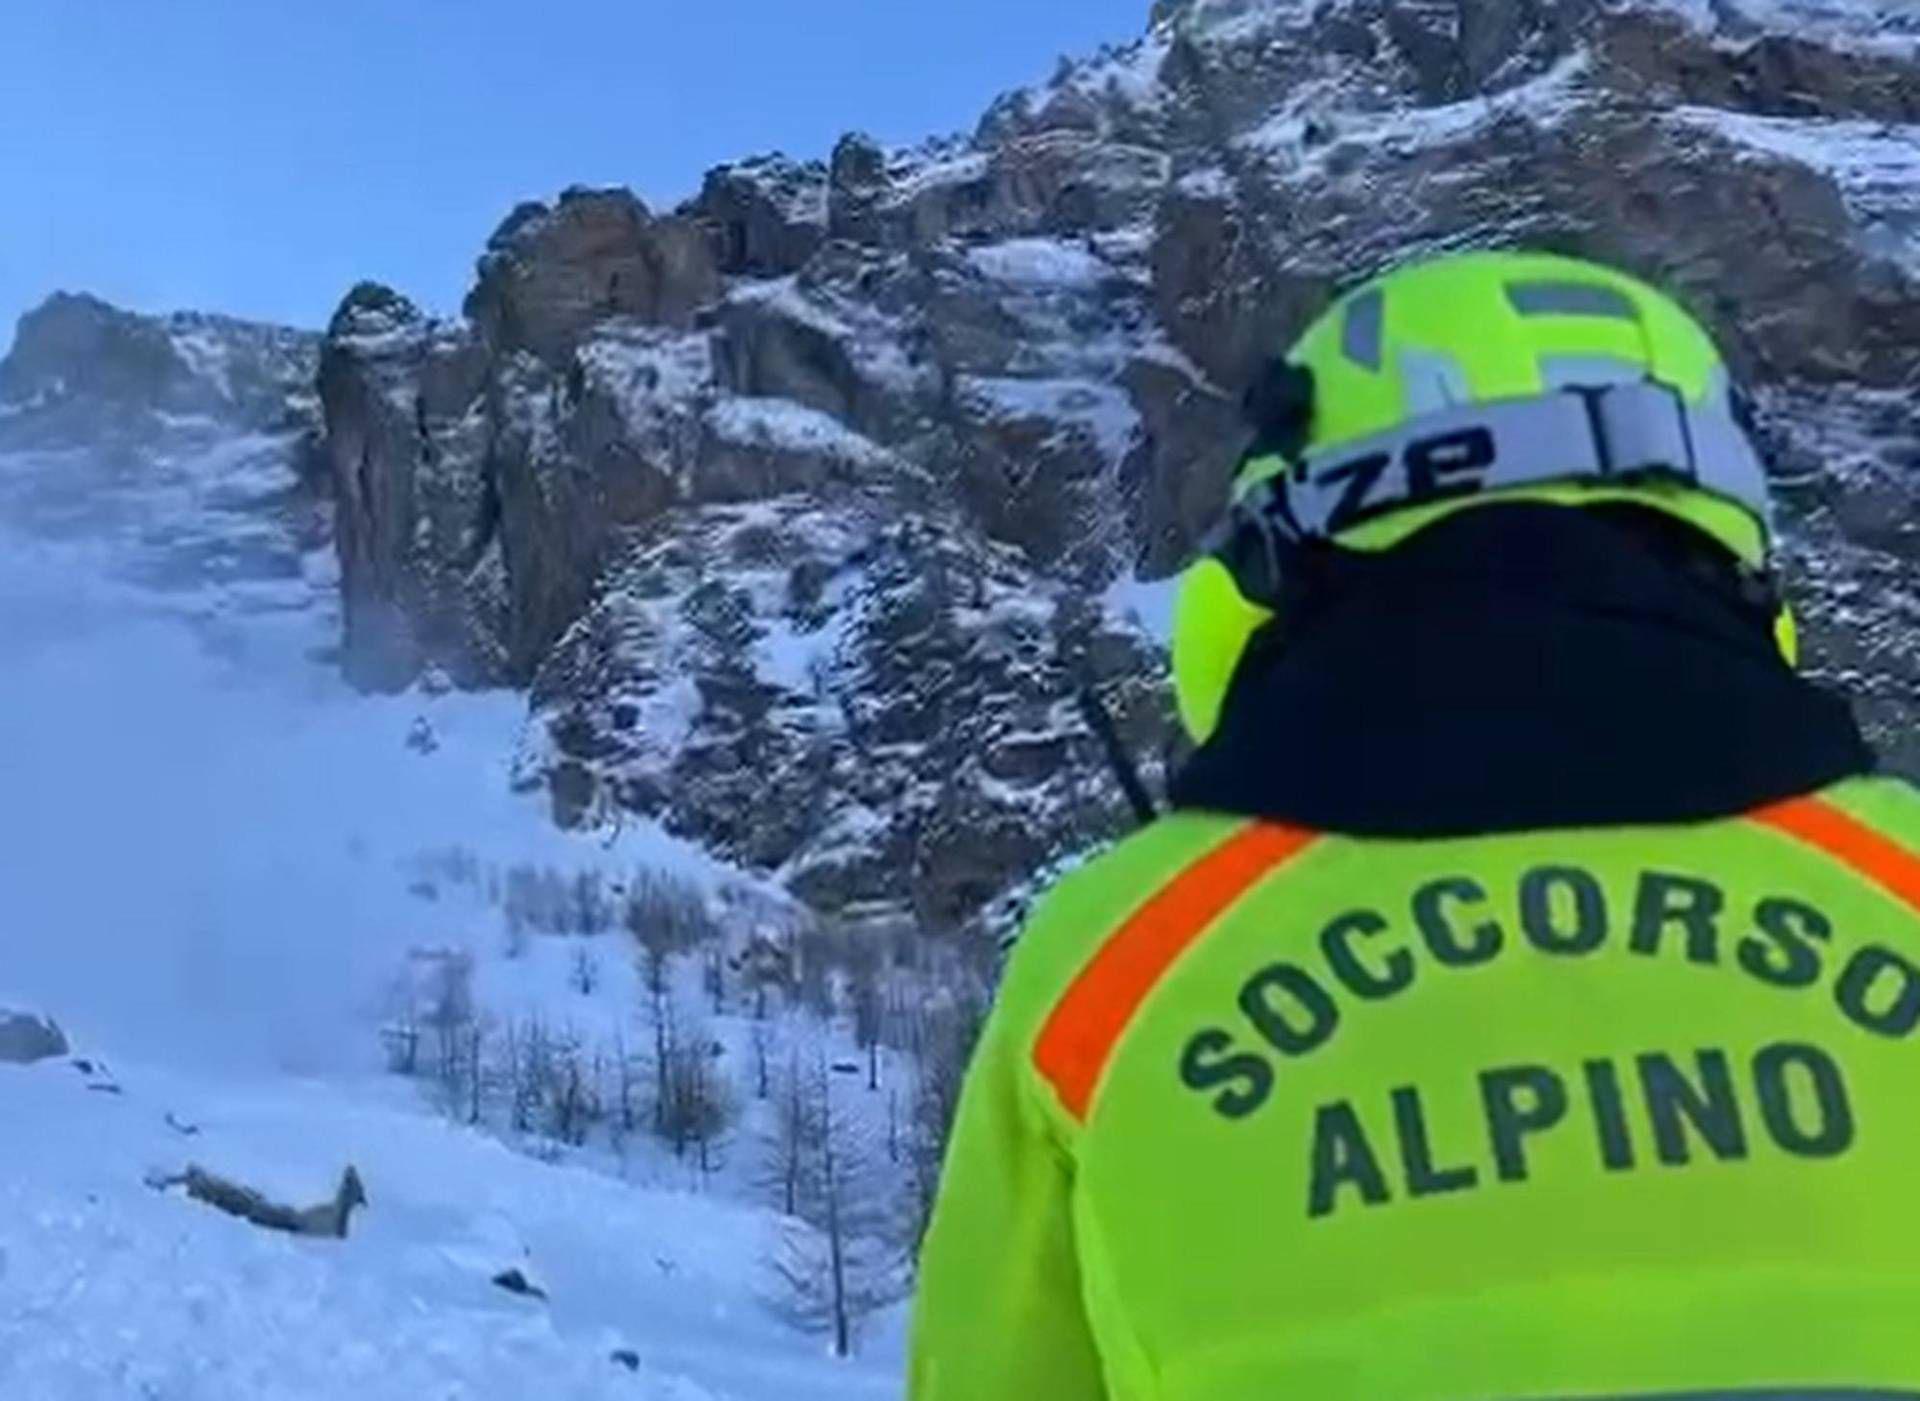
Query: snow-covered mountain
point(794, 522)
point(807, 511)
point(805, 508)
point(183, 449)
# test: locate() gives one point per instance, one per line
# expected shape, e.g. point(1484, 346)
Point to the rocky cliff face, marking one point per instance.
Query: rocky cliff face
point(806, 509)
point(188, 445)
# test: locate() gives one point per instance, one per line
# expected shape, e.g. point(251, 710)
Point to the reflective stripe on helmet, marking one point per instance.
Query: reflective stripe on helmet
point(1602, 433)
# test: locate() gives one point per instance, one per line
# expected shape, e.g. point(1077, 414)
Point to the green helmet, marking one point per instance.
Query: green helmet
point(1458, 382)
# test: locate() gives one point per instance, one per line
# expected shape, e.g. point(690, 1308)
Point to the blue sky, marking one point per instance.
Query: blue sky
point(259, 156)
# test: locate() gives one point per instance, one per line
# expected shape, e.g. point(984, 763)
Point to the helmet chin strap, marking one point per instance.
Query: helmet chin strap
point(1279, 405)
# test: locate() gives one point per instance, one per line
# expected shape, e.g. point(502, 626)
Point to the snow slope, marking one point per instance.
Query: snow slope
point(207, 835)
point(110, 1289)
point(211, 851)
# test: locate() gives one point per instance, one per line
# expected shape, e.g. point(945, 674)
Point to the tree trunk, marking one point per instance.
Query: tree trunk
point(660, 1069)
point(842, 1329)
point(473, 1075)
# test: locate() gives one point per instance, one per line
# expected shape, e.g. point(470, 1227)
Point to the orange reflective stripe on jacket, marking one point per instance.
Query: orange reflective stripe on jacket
point(1850, 842)
point(1078, 1039)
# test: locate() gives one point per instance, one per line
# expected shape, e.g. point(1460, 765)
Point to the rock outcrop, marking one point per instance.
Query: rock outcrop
point(806, 509)
point(416, 522)
point(766, 217)
point(551, 274)
point(26, 1038)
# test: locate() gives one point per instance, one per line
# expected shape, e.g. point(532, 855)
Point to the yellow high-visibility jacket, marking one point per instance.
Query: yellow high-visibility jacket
point(1610, 1111)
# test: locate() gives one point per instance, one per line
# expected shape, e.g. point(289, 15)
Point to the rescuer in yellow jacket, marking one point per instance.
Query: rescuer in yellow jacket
point(1523, 998)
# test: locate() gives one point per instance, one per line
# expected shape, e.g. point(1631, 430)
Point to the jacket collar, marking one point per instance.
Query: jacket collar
point(1513, 668)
